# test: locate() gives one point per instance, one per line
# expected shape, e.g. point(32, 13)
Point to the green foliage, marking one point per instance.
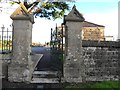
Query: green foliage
point(53, 10)
point(12, 3)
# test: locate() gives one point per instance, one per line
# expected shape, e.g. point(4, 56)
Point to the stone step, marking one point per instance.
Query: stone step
point(45, 72)
point(45, 76)
point(45, 80)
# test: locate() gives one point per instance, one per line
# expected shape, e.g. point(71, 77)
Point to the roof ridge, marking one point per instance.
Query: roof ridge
point(94, 24)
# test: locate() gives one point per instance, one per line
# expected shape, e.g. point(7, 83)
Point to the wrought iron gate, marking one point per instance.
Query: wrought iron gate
point(57, 46)
point(5, 40)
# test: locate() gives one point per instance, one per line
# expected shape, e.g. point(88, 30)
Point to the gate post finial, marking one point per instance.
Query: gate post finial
point(74, 15)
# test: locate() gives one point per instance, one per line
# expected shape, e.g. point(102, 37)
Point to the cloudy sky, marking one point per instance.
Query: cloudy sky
point(103, 12)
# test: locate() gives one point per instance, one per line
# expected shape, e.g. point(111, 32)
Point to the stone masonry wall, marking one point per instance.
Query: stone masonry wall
point(93, 33)
point(101, 60)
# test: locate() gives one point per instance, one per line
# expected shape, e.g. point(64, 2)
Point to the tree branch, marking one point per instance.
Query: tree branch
point(33, 7)
point(40, 8)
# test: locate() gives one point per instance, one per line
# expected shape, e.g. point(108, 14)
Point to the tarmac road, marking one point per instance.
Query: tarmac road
point(46, 63)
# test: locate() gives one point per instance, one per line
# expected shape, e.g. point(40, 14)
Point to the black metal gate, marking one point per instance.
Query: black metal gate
point(5, 40)
point(57, 47)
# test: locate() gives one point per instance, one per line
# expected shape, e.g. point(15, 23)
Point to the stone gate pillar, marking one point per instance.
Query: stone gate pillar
point(19, 68)
point(73, 65)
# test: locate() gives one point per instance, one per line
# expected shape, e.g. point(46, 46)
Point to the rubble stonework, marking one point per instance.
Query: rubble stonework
point(101, 62)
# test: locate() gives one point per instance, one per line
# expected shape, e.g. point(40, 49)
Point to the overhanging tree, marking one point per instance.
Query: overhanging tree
point(48, 9)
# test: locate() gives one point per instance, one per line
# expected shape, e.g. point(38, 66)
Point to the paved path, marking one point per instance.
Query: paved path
point(46, 63)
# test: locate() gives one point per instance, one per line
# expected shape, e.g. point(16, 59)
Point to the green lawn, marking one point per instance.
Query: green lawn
point(106, 85)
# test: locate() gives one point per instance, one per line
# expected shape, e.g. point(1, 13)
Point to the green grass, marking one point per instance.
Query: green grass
point(107, 85)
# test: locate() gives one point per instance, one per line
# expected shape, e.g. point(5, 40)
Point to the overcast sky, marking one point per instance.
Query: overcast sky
point(102, 12)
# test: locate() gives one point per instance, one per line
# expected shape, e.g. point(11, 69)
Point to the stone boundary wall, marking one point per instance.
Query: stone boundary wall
point(101, 60)
point(5, 60)
point(89, 43)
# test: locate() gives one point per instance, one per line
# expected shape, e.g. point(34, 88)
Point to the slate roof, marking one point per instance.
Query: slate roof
point(89, 24)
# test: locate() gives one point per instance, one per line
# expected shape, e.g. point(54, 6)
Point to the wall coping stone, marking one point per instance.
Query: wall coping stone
point(89, 43)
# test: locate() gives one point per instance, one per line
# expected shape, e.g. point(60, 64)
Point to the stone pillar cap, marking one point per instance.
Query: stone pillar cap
point(24, 17)
point(74, 15)
point(21, 13)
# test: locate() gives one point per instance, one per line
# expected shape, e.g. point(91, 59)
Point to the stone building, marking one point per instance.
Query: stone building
point(91, 31)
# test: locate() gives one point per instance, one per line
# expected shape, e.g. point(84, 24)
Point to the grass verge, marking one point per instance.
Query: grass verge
point(107, 85)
